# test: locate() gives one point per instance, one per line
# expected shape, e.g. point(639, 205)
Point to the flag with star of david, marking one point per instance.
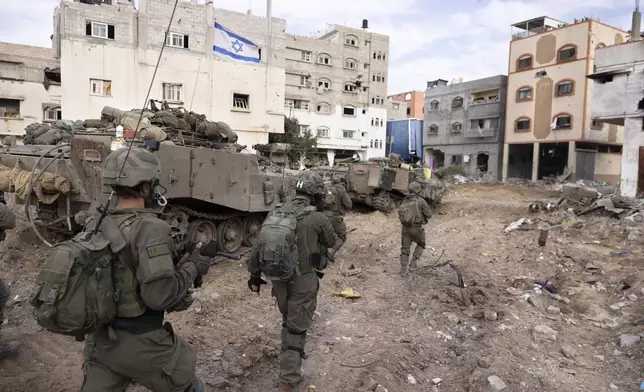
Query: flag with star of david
point(234, 46)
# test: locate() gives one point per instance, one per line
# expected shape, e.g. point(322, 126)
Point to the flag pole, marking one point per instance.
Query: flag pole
point(269, 6)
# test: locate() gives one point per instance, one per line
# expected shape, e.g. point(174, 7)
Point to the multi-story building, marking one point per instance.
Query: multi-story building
point(109, 53)
point(464, 123)
point(415, 101)
point(336, 87)
point(396, 110)
point(618, 100)
point(549, 128)
point(29, 87)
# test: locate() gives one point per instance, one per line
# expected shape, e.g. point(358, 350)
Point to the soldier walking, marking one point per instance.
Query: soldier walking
point(414, 213)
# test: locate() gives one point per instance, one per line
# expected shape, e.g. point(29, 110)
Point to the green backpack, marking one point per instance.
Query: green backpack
point(75, 291)
point(409, 211)
point(277, 242)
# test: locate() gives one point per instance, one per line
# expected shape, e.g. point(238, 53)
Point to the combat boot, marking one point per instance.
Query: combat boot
point(404, 264)
point(413, 265)
point(286, 387)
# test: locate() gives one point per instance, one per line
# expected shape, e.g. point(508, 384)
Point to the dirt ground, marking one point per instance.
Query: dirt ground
point(420, 333)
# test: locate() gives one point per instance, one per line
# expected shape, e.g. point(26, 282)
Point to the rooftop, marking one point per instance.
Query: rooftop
point(534, 26)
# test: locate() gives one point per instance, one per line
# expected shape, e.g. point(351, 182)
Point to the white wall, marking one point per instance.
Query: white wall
point(31, 95)
point(633, 139)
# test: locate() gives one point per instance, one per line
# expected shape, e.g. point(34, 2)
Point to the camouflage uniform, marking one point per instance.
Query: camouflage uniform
point(138, 345)
point(414, 232)
point(297, 298)
point(7, 222)
point(338, 210)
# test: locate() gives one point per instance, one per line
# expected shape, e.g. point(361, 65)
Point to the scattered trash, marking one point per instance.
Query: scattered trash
point(411, 379)
point(312, 388)
point(452, 318)
point(626, 340)
point(348, 293)
point(437, 381)
point(380, 388)
point(543, 237)
point(632, 297)
point(553, 310)
point(515, 225)
point(619, 253)
point(353, 271)
point(513, 291)
point(613, 387)
point(496, 383)
point(413, 305)
point(618, 305)
point(544, 332)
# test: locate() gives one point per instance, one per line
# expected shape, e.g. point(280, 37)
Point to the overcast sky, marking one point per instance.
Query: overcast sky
point(430, 39)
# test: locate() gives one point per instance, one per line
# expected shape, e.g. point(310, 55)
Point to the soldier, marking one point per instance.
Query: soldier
point(7, 222)
point(138, 345)
point(338, 207)
point(414, 213)
point(297, 297)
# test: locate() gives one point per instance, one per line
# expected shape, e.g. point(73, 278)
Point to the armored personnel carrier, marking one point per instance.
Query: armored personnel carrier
point(211, 193)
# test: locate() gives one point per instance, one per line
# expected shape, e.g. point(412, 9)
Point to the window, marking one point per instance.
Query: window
point(324, 83)
point(524, 94)
point(371, 143)
point(522, 125)
point(562, 121)
point(305, 56)
point(304, 129)
point(100, 87)
point(350, 63)
point(372, 121)
point(484, 123)
point(172, 92)
point(408, 97)
point(9, 108)
point(351, 40)
point(596, 124)
point(99, 30)
point(396, 106)
point(374, 55)
point(377, 100)
point(177, 40)
point(324, 108)
point(432, 130)
point(300, 104)
point(384, 56)
point(347, 134)
point(349, 87)
point(323, 132)
point(366, 65)
point(379, 55)
point(241, 102)
point(305, 80)
point(601, 45)
point(433, 106)
point(567, 53)
point(380, 143)
point(349, 111)
point(52, 114)
point(457, 127)
point(324, 59)
point(409, 111)
point(524, 62)
point(457, 102)
point(289, 104)
point(565, 87)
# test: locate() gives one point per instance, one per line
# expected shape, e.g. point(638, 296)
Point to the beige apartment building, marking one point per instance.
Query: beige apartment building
point(549, 129)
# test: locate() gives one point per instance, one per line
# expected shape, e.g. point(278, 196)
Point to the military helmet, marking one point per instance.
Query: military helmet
point(310, 183)
point(141, 166)
point(415, 188)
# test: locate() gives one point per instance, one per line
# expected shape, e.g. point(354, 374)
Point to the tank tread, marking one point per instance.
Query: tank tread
point(211, 216)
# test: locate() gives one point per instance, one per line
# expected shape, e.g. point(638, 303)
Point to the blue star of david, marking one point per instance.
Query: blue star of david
point(237, 46)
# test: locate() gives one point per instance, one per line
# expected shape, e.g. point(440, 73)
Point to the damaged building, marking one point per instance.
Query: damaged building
point(549, 129)
point(29, 88)
point(464, 123)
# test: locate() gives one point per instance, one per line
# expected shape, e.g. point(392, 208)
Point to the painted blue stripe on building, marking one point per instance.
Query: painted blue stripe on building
point(223, 51)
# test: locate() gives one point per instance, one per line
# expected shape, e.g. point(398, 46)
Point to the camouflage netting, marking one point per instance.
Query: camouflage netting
point(48, 188)
point(57, 132)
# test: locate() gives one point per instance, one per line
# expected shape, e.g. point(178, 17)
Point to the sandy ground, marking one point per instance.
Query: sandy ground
point(420, 333)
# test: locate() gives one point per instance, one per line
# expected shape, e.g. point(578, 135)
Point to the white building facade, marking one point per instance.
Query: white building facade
point(109, 53)
point(336, 87)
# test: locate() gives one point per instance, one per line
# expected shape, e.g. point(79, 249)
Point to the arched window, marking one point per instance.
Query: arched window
point(432, 130)
point(350, 87)
point(324, 59)
point(434, 105)
point(351, 40)
point(524, 62)
point(567, 53)
point(522, 124)
point(457, 102)
point(600, 45)
point(324, 108)
point(324, 83)
point(350, 63)
point(565, 87)
point(379, 55)
point(524, 94)
point(323, 132)
point(562, 121)
point(457, 127)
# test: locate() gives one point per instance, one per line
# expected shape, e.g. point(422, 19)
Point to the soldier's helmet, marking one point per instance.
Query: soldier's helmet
point(310, 183)
point(415, 188)
point(141, 166)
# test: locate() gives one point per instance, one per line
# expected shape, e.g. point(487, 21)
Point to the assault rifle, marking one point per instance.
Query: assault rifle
point(209, 250)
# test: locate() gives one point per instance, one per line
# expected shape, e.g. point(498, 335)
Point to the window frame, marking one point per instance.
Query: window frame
point(172, 85)
point(595, 127)
point(323, 128)
point(327, 56)
point(562, 114)
point(347, 39)
point(565, 81)
point(523, 118)
point(349, 87)
point(325, 104)
point(431, 106)
point(323, 81)
point(460, 101)
point(566, 47)
point(352, 132)
point(57, 113)
point(432, 127)
point(92, 81)
point(355, 62)
point(457, 124)
point(95, 23)
point(523, 88)
point(305, 55)
point(523, 56)
point(240, 96)
point(184, 40)
point(355, 110)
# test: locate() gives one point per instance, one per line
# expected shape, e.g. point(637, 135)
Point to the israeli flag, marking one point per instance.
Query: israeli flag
point(234, 46)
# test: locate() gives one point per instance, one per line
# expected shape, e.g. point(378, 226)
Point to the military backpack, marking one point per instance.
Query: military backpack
point(409, 211)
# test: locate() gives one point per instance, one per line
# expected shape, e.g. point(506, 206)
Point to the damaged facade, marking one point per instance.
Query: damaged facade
point(549, 128)
point(464, 124)
point(336, 87)
point(29, 87)
point(109, 51)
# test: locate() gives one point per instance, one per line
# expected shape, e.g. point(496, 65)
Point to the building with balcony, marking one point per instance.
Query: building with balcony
point(549, 129)
point(109, 51)
point(29, 88)
point(336, 87)
point(464, 124)
point(618, 101)
point(415, 101)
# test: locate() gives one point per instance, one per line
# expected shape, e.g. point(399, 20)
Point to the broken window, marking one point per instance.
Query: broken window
point(563, 121)
point(99, 30)
point(524, 94)
point(304, 130)
point(305, 80)
point(177, 40)
point(457, 127)
point(457, 102)
point(347, 134)
point(565, 87)
point(324, 59)
point(349, 111)
point(173, 92)
point(568, 52)
point(432, 130)
point(351, 40)
point(241, 101)
point(433, 105)
point(350, 63)
point(349, 87)
point(100, 87)
point(596, 124)
point(524, 62)
point(324, 83)
point(305, 56)
point(9, 108)
point(322, 132)
point(300, 104)
point(522, 125)
point(324, 108)
point(52, 114)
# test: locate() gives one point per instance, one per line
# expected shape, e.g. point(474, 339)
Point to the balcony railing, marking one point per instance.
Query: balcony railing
point(481, 132)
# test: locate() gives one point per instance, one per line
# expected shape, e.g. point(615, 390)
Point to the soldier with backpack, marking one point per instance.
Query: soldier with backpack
point(289, 252)
point(120, 305)
point(7, 222)
point(414, 213)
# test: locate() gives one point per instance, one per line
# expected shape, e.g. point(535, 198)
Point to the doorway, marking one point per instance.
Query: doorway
point(481, 161)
